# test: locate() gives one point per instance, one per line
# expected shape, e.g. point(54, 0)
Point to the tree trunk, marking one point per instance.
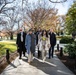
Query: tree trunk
point(11, 36)
point(7, 37)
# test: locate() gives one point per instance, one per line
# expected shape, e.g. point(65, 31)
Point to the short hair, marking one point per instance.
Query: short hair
point(30, 30)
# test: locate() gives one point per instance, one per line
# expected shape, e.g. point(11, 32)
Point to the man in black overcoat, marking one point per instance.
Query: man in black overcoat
point(21, 43)
point(37, 33)
point(52, 43)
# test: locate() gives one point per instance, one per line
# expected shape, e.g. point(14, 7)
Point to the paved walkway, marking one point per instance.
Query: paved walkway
point(51, 66)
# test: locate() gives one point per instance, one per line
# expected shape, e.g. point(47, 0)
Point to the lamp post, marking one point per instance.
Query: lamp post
point(7, 55)
point(61, 52)
point(57, 1)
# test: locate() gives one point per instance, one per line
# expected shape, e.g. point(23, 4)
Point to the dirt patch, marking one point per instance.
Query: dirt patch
point(67, 61)
point(4, 63)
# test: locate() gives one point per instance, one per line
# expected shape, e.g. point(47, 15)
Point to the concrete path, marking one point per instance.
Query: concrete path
point(51, 66)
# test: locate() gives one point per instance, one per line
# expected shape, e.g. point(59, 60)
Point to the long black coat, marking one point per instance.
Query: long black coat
point(21, 45)
point(37, 33)
point(52, 39)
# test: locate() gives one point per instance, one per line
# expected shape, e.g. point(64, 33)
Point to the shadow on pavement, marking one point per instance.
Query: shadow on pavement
point(46, 67)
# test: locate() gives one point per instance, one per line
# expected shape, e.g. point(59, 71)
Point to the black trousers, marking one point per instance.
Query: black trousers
point(21, 51)
point(39, 54)
point(20, 54)
point(51, 51)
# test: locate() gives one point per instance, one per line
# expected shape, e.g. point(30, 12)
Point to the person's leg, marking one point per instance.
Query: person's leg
point(23, 52)
point(23, 49)
point(49, 52)
point(20, 54)
point(52, 51)
point(44, 56)
point(34, 54)
point(39, 53)
point(29, 57)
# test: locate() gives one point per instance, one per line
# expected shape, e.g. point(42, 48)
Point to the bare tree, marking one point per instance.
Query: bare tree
point(3, 4)
point(60, 21)
point(11, 26)
point(37, 14)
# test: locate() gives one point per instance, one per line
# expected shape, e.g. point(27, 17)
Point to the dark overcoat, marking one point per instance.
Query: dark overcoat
point(33, 43)
point(21, 45)
point(52, 39)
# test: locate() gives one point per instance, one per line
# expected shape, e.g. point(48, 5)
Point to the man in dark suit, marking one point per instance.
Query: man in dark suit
point(37, 33)
point(52, 43)
point(21, 43)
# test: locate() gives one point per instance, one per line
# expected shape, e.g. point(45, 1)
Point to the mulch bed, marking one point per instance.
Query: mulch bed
point(67, 61)
point(4, 63)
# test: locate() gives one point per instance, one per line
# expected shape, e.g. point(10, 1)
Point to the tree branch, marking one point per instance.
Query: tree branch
point(5, 3)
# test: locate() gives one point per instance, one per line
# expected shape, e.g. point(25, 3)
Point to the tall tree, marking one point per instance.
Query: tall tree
point(71, 19)
point(38, 14)
point(12, 19)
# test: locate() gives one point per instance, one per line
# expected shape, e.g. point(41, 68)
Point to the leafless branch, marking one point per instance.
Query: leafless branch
point(4, 4)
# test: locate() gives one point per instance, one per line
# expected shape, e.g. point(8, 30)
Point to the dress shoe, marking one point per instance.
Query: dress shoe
point(20, 58)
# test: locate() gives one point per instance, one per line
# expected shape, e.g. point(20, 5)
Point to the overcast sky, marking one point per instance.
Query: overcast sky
point(62, 7)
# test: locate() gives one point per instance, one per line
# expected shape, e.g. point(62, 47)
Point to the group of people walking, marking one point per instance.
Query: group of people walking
point(42, 40)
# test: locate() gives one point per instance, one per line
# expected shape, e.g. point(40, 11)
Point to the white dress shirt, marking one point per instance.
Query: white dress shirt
point(21, 36)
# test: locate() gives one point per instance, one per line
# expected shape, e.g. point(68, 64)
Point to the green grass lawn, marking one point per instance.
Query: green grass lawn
point(11, 45)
